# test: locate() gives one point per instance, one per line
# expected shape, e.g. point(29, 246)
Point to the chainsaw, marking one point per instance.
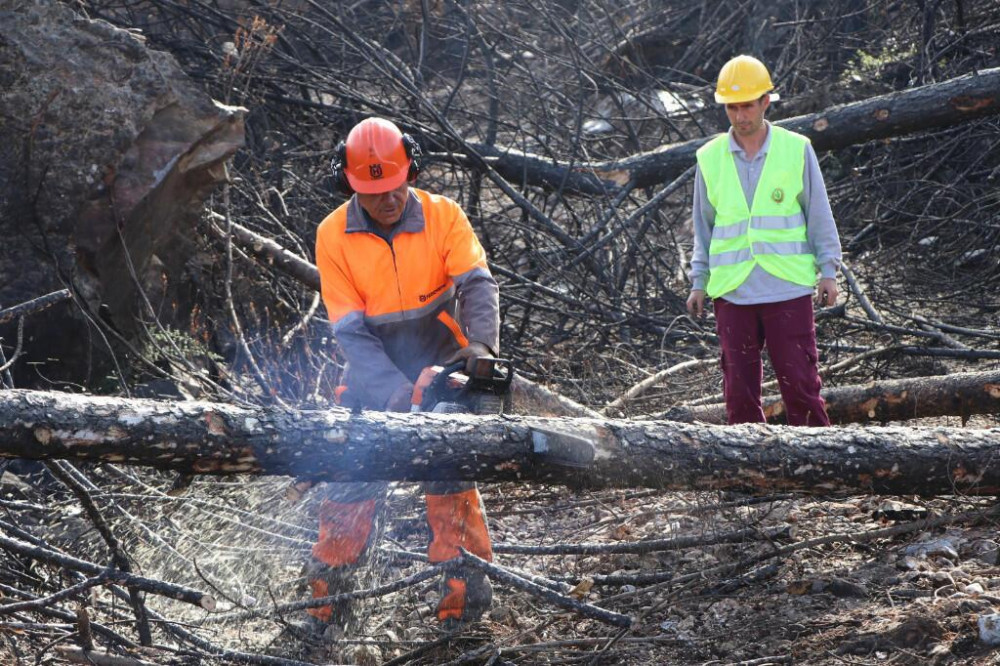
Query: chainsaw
point(453, 389)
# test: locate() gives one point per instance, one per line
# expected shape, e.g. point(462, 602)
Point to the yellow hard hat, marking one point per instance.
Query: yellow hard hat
point(743, 79)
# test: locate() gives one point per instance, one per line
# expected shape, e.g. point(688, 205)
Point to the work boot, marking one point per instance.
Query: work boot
point(349, 525)
point(332, 622)
point(466, 594)
point(457, 520)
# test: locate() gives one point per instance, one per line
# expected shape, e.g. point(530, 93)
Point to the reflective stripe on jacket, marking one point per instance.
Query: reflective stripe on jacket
point(771, 232)
point(395, 303)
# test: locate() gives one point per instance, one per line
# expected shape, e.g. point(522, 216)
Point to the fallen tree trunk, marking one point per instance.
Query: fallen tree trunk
point(933, 106)
point(334, 445)
point(961, 394)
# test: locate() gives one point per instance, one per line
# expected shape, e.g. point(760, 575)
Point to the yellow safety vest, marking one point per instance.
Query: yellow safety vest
point(772, 232)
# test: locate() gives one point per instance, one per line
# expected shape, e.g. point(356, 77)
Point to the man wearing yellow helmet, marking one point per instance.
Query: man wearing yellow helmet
point(763, 229)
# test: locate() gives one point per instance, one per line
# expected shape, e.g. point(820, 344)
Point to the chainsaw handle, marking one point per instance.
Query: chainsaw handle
point(429, 382)
point(441, 377)
point(501, 375)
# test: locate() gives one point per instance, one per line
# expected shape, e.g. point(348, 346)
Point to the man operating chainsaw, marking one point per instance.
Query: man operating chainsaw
point(406, 286)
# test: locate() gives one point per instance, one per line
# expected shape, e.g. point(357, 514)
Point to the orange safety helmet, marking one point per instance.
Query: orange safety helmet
point(377, 157)
point(743, 79)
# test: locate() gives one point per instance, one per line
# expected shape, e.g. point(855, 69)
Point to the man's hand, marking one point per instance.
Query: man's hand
point(400, 399)
point(696, 303)
point(827, 292)
point(469, 354)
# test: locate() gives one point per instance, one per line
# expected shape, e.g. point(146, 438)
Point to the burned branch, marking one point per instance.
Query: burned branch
point(962, 394)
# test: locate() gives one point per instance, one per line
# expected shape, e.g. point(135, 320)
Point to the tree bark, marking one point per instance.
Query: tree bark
point(928, 107)
point(961, 394)
point(108, 152)
point(208, 438)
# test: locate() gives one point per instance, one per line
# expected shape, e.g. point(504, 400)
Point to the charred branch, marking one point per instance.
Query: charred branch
point(178, 592)
point(33, 306)
point(962, 394)
point(933, 106)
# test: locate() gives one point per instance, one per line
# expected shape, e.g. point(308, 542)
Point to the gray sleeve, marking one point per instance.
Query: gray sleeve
point(479, 307)
point(821, 229)
point(703, 219)
point(370, 368)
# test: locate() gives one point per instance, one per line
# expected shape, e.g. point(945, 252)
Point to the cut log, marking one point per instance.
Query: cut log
point(335, 445)
point(961, 394)
point(933, 106)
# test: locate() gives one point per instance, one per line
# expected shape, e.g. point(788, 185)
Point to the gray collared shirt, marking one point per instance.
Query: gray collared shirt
point(411, 221)
point(821, 230)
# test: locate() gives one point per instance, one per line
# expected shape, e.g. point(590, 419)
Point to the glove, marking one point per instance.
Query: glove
point(400, 399)
point(469, 354)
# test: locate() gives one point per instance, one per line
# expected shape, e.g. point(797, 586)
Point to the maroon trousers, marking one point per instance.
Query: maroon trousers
point(790, 334)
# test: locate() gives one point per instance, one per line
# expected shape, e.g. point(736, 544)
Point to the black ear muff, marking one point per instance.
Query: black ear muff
point(413, 152)
point(338, 165)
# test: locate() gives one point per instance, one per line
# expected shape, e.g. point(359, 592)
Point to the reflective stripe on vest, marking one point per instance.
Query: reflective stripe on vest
point(772, 232)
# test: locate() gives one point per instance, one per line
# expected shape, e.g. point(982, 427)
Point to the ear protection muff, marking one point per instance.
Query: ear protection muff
point(415, 154)
point(338, 165)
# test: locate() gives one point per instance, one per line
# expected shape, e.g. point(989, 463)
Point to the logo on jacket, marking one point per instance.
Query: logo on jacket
point(375, 170)
point(778, 195)
point(423, 297)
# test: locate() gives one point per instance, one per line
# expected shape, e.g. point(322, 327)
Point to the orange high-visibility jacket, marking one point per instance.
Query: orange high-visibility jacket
point(401, 304)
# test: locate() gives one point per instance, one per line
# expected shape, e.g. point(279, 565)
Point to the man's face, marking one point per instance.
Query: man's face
point(747, 118)
point(385, 208)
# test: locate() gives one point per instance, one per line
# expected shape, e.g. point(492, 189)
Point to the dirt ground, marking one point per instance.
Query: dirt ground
point(810, 586)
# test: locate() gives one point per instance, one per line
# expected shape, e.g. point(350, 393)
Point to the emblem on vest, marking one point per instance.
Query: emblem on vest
point(423, 297)
point(778, 195)
point(375, 170)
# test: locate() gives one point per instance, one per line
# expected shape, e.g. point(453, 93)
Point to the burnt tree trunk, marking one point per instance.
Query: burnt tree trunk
point(961, 394)
point(932, 106)
point(334, 445)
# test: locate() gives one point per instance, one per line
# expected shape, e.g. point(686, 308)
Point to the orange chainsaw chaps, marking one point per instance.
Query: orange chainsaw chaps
point(457, 520)
point(344, 528)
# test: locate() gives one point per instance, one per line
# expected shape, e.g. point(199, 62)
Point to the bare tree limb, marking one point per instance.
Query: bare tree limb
point(33, 306)
point(587, 610)
point(163, 588)
point(927, 107)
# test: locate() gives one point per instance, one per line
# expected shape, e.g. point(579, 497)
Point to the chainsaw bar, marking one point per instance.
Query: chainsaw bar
point(558, 448)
